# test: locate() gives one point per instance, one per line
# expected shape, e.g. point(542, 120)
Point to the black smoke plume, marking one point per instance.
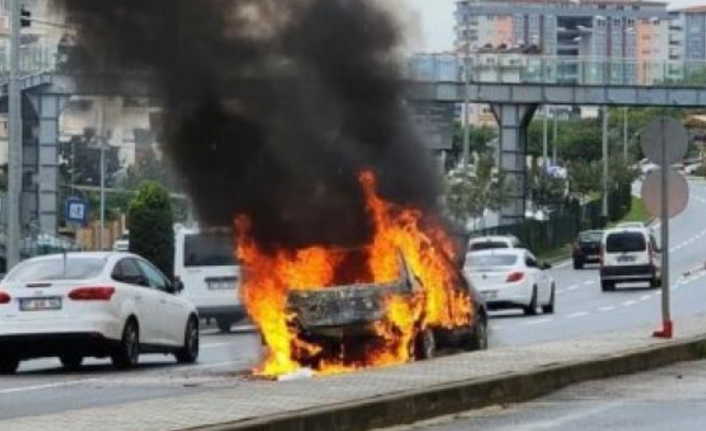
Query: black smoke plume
point(272, 107)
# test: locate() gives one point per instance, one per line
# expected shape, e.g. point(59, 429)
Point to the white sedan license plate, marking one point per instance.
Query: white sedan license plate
point(40, 304)
point(221, 285)
point(491, 294)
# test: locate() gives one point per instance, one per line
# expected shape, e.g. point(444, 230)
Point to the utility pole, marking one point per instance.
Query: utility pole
point(101, 142)
point(545, 140)
point(626, 130)
point(466, 106)
point(15, 163)
point(605, 161)
point(555, 141)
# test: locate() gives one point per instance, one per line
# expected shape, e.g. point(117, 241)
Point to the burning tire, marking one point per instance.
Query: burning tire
point(425, 345)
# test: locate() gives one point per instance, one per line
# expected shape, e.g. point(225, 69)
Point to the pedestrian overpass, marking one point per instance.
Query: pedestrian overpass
point(516, 85)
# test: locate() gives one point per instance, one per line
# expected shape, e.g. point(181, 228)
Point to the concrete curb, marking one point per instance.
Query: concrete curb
point(413, 406)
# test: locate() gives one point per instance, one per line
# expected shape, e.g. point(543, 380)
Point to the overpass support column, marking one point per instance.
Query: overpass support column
point(44, 139)
point(513, 120)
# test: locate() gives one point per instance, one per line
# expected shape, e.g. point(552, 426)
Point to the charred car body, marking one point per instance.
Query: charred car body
point(348, 317)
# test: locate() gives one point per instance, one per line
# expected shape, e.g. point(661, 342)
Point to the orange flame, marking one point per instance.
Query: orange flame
point(427, 250)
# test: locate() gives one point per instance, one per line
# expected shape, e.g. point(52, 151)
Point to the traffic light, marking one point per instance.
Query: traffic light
point(25, 17)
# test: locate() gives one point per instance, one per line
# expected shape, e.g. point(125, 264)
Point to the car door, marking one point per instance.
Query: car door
point(541, 279)
point(136, 286)
point(172, 311)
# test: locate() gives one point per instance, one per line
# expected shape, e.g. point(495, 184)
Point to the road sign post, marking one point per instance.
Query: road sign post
point(665, 142)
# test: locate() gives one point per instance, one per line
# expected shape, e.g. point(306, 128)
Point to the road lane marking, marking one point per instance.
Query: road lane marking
point(562, 265)
point(572, 288)
point(538, 322)
point(577, 315)
point(629, 303)
point(46, 386)
point(589, 282)
point(606, 309)
point(215, 345)
point(646, 298)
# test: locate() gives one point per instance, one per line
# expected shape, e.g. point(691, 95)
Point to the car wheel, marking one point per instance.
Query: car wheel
point(607, 286)
point(425, 345)
point(127, 354)
point(71, 362)
point(478, 339)
point(549, 308)
point(578, 265)
point(224, 325)
point(190, 352)
point(9, 366)
point(656, 283)
point(531, 309)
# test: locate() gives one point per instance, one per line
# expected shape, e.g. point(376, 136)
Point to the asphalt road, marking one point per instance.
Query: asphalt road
point(668, 399)
point(582, 309)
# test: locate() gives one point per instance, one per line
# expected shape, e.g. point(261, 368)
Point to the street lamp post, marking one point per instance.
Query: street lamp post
point(466, 106)
point(545, 139)
point(555, 141)
point(605, 162)
point(626, 130)
point(14, 187)
point(102, 142)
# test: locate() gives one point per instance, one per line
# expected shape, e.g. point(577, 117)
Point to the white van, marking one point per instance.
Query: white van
point(206, 267)
point(629, 255)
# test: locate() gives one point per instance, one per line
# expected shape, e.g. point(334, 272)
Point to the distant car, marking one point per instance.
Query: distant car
point(80, 305)
point(587, 248)
point(630, 255)
point(122, 244)
point(492, 243)
point(631, 225)
point(206, 266)
point(512, 278)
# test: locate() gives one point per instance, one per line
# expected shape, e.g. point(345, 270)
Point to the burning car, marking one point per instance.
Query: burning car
point(342, 319)
point(394, 298)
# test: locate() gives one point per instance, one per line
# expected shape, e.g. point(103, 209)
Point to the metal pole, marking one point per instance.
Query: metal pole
point(15, 163)
point(102, 139)
point(545, 139)
point(555, 141)
point(605, 161)
point(626, 130)
point(666, 315)
point(466, 108)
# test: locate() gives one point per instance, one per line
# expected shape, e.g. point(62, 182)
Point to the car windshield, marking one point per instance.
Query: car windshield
point(487, 245)
point(625, 242)
point(596, 236)
point(208, 250)
point(57, 268)
point(475, 261)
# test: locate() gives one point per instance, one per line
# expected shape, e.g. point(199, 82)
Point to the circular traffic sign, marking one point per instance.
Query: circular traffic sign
point(668, 133)
point(652, 193)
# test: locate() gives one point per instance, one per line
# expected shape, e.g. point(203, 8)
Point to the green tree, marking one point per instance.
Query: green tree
point(479, 139)
point(545, 189)
point(151, 224)
point(584, 179)
point(470, 191)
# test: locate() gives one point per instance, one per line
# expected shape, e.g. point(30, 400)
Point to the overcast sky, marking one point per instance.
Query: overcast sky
point(437, 21)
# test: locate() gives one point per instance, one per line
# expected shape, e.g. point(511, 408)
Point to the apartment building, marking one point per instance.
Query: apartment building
point(627, 30)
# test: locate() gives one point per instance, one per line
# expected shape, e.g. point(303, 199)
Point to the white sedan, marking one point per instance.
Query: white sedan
point(512, 278)
point(79, 305)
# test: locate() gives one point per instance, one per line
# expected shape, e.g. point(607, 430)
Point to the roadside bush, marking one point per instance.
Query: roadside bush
point(151, 223)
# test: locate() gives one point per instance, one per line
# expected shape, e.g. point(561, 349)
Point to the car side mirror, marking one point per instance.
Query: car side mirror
point(178, 286)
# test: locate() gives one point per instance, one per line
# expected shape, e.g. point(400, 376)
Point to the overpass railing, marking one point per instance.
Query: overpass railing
point(34, 58)
point(534, 69)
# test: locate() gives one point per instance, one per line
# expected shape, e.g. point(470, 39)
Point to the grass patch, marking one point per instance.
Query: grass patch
point(638, 213)
point(556, 254)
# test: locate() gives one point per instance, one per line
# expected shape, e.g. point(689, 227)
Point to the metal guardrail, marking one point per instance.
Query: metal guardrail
point(514, 68)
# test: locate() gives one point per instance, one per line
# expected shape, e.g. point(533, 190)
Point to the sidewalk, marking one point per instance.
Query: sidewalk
point(362, 399)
